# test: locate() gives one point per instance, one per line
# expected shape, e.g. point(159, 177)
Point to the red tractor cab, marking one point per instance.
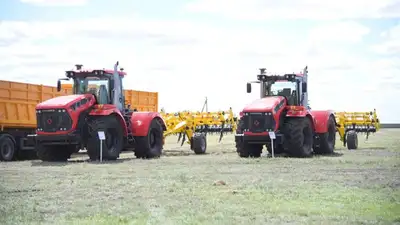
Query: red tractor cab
point(283, 109)
point(68, 123)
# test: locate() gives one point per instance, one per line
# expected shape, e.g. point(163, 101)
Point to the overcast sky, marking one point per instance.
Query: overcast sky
point(187, 50)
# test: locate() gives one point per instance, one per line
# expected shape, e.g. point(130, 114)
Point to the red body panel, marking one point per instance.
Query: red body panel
point(60, 102)
point(108, 109)
point(266, 104)
point(248, 133)
point(297, 111)
point(141, 122)
point(321, 118)
point(64, 102)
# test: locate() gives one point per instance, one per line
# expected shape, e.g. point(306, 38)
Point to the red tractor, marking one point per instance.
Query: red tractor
point(68, 123)
point(283, 109)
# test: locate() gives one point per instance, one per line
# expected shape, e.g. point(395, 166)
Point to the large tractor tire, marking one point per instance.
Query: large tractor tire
point(352, 140)
point(7, 148)
point(299, 137)
point(151, 145)
point(327, 140)
point(199, 143)
point(277, 150)
point(54, 153)
point(114, 136)
point(246, 150)
point(77, 149)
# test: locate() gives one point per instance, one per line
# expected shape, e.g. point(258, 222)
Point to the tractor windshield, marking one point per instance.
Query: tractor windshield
point(99, 86)
point(284, 88)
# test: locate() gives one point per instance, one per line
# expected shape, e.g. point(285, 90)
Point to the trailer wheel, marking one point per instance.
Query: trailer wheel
point(54, 153)
point(199, 143)
point(246, 150)
point(150, 146)
point(352, 140)
point(114, 135)
point(327, 140)
point(7, 148)
point(299, 138)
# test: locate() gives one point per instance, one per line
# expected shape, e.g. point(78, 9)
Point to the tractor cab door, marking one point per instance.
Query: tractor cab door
point(291, 95)
point(103, 95)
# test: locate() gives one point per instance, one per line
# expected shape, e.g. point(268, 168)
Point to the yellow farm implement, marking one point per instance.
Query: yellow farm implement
point(194, 126)
point(349, 124)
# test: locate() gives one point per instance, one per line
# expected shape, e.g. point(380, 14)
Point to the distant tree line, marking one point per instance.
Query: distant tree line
point(390, 125)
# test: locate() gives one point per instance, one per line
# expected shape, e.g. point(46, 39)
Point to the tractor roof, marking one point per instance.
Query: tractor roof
point(95, 72)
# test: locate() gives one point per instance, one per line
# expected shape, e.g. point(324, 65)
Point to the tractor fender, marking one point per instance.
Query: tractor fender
point(321, 118)
point(106, 110)
point(140, 122)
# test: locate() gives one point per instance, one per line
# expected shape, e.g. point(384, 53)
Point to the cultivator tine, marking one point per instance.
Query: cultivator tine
point(205, 129)
point(183, 139)
point(222, 132)
point(179, 137)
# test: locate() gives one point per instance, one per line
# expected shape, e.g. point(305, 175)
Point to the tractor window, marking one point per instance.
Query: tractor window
point(94, 85)
point(285, 88)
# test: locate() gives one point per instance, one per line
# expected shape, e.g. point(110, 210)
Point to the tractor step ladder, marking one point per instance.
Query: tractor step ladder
point(127, 117)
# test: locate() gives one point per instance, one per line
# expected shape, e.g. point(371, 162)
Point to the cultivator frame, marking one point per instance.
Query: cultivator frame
point(192, 126)
point(350, 124)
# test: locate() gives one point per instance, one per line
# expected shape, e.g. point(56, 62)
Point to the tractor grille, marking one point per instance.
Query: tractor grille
point(258, 122)
point(52, 120)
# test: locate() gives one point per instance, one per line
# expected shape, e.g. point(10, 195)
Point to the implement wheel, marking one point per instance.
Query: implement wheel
point(352, 140)
point(199, 143)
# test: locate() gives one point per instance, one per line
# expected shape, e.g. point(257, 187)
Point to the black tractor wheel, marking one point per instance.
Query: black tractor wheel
point(299, 137)
point(150, 146)
point(199, 143)
point(352, 140)
point(7, 148)
point(54, 153)
point(114, 138)
point(327, 140)
point(246, 150)
point(277, 150)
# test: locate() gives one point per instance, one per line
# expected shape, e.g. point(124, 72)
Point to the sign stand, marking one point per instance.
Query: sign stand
point(273, 137)
point(102, 137)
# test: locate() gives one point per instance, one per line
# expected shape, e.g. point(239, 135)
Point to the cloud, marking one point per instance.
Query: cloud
point(391, 42)
point(56, 2)
point(186, 61)
point(297, 9)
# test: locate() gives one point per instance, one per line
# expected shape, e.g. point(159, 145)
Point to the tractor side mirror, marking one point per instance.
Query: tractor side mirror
point(59, 85)
point(248, 87)
point(304, 87)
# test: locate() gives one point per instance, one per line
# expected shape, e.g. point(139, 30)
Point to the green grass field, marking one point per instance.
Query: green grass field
point(353, 187)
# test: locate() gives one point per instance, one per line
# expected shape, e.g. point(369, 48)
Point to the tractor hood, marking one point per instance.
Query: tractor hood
point(266, 104)
point(60, 102)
